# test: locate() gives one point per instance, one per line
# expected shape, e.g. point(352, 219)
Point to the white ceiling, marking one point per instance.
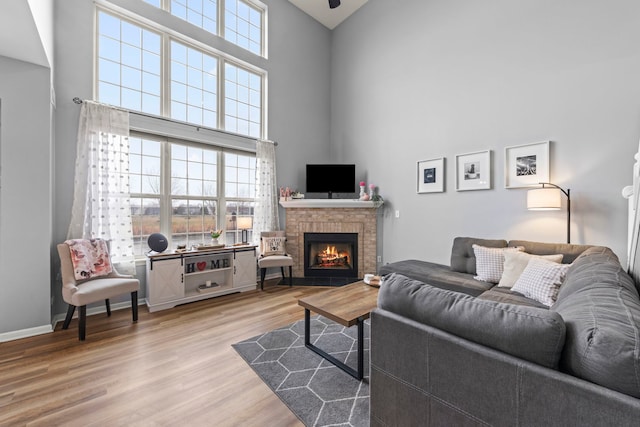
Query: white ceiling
point(330, 18)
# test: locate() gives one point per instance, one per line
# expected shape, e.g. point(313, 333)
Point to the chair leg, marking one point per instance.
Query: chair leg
point(82, 322)
point(134, 305)
point(290, 276)
point(67, 320)
point(108, 305)
point(282, 271)
point(263, 272)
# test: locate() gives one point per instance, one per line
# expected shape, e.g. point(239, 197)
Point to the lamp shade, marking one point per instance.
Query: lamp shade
point(544, 199)
point(245, 222)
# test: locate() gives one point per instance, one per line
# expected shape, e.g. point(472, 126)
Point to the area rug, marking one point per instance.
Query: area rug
point(319, 393)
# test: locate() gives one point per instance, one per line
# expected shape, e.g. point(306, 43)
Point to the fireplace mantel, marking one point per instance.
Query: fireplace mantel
point(329, 203)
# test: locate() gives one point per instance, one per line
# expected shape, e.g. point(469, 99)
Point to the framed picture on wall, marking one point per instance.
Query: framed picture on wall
point(526, 165)
point(431, 176)
point(473, 171)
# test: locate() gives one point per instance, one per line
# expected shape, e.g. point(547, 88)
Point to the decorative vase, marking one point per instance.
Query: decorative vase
point(372, 192)
point(362, 193)
point(214, 242)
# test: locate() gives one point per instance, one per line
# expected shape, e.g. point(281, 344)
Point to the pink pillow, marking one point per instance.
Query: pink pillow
point(90, 258)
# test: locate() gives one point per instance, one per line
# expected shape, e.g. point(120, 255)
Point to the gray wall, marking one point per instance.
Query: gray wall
point(25, 196)
point(415, 80)
point(299, 75)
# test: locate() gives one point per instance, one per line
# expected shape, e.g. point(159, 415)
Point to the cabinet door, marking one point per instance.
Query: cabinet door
point(164, 281)
point(244, 268)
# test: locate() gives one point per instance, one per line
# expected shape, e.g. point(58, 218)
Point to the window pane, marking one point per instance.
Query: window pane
point(201, 13)
point(145, 219)
point(193, 85)
point(192, 221)
point(237, 216)
point(242, 101)
point(121, 48)
point(243, 25)
point(239, 176)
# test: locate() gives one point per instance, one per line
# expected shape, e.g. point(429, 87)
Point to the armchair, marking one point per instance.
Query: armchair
point(80, 292)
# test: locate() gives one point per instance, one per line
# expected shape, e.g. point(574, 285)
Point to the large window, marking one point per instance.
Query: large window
point(178, 187)
point(183, 80)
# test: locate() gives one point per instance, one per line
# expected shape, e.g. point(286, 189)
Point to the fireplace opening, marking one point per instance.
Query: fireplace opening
point(331, 254)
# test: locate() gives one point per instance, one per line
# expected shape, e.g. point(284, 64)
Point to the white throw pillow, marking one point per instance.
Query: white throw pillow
point(273, 246)
point(516, 262)
point(490, 262)
point(541, 280)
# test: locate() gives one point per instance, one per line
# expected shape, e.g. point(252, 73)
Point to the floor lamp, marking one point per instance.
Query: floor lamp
point(550, 199)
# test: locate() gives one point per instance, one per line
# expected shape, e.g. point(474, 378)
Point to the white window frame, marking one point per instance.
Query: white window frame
point(167, 36)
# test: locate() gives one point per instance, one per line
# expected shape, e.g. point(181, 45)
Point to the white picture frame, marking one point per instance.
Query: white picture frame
point(473, 171)
point(526, 165)
point(431, 176)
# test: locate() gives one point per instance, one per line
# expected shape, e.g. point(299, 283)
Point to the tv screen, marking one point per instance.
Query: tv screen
point(331, 178)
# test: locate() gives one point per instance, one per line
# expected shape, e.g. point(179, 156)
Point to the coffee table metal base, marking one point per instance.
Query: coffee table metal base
point(357, 374)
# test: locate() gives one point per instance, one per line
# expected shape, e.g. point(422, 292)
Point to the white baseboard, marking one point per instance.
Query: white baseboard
point(25, 333)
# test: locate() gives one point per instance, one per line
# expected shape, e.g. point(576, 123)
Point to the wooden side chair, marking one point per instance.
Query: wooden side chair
point(94, 286)
point(273, 254)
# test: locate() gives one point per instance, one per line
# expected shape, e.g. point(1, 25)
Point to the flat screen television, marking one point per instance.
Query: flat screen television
point(331, 178)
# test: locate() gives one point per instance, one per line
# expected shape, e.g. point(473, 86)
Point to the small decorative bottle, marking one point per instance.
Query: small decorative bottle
point(372, 191)
point(362, 193)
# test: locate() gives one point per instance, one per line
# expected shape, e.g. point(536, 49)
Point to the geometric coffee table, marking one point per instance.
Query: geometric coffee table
point(347, 305)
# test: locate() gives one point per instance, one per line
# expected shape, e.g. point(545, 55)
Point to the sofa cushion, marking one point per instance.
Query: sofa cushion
point(570, 251)
point(601, 309)
point(463, 259)
point(490, 262)
point(506, 295)
point(438, 275)
point(514, 264)
point(541, 280)
point(533, 334)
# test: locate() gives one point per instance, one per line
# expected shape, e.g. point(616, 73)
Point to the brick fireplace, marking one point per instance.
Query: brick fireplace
point(332, 216)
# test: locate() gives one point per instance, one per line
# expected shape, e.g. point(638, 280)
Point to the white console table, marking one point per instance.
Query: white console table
point(180, 277)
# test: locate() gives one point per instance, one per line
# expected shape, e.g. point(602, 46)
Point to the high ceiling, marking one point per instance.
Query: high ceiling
point(330, 18)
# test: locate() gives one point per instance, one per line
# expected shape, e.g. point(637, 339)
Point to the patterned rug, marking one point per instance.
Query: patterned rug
point(319, 393)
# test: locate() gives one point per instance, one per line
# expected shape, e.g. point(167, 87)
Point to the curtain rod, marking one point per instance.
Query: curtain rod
point(275, 143)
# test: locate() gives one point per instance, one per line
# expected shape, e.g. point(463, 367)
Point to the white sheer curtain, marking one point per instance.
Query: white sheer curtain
point(265, 214)
point(101, 204)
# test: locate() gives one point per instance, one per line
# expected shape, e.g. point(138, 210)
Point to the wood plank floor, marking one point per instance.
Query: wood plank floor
point(173, 367)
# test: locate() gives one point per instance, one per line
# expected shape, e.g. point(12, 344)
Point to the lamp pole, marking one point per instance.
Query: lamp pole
point(568, 194)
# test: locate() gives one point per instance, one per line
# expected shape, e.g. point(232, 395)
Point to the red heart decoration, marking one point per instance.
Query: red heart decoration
point(201, 265)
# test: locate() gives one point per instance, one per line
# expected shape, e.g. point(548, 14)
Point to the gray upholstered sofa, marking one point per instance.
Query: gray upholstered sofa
point(447, 349)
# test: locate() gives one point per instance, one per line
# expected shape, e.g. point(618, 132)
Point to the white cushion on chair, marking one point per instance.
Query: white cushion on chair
point(275, 261)
point(102, 289)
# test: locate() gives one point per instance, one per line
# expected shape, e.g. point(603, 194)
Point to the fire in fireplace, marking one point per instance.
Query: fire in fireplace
point(331, 254)
point(330, 257)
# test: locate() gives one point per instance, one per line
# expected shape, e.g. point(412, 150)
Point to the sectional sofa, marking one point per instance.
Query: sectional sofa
point(449, 349)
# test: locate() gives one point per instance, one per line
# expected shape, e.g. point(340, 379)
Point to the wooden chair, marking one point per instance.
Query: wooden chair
point(273, 254)
point(79, 293)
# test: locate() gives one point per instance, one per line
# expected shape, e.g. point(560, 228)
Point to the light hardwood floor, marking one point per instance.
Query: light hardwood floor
point(174, 367)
